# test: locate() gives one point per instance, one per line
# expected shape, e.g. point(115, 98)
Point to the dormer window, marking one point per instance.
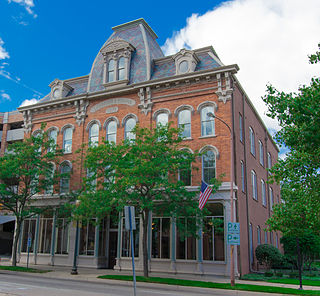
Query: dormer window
point(59, 89)
point(186, 61)
point(117, 57)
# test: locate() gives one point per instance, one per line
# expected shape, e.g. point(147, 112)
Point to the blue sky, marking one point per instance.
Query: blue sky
point(60, 39)
point(269, 40)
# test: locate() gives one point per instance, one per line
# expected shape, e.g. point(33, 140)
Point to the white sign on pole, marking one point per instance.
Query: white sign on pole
point(127, 217)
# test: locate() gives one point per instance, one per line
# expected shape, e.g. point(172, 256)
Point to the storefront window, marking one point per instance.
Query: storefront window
point(62, 236)
point(87, 238)
point(161, 238)
point(45, 235)
point(29, 229)
point(186, 244)
point(213, 233)
point(126, 243)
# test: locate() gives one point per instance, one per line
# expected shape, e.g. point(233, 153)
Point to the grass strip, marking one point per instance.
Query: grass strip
point(189, 283)
point(258, 277)
point(22, 269)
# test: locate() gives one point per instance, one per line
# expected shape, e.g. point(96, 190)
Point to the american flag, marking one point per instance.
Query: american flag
point(204, 194)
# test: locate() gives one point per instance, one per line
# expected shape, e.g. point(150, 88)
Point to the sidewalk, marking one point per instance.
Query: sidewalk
point(91, 274)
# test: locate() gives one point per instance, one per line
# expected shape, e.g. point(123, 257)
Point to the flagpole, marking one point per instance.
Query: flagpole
point(210, 114)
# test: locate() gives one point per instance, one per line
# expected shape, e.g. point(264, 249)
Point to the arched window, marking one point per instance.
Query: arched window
point(254, 185)
point(269, 161)
point(252, 142)
point(65, 170)
point(53, 134)
point(184, 175)
point(242, 176)
point(207, 122)
point(271, 197)
point(111, 132)
point(129, 126)
point(261, 153)
point(94, 135)
point(121, 69)
point(111, 71)
point(184, 122)
point(162, 119)
point(213, 233)
point(258, 235)
point(67, 140)
point(49, 179)
point(208, 166)
point(263, 193)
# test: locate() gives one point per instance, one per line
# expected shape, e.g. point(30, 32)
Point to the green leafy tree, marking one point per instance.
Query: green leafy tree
point(268, 255)
point(142, 173)
point(25, 170)
point(298, 115)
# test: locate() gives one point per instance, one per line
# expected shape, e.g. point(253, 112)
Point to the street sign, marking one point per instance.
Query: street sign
point(233, 239)
point(233, 228)
point(29, 242)
point(128, 216)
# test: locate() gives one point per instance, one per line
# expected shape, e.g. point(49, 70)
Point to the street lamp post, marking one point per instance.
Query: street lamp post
point(74, 270)
point(210, 114)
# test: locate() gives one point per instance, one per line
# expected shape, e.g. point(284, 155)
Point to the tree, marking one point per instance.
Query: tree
point(25, 170)
point(142, 172)
point(268, 255)
point(298, 115)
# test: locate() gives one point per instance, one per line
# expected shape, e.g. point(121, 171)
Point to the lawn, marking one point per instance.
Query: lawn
point(22, 269)
point(307, 281)
point(189, 283)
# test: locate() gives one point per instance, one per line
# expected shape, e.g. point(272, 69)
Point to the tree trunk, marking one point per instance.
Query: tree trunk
point(299, 263)
point(15, 242)
point(145, 243)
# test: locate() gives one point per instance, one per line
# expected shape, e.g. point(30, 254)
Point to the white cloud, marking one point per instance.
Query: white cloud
point(3, 53)
point(4, 96)
point(269, 40)
point(28, 102)
point(27, 4)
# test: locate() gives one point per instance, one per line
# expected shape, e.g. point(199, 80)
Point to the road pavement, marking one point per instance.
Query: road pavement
point(15, 284)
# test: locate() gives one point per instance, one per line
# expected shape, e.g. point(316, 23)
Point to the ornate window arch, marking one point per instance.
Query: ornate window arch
point(129, 122)
point(254, 185)
point(162, 116)
point(207, 122)
point(53, 132)
point(93, 128)
point(209, 157)
point(185, 175)
point(65, 168)
point(67, 132)
point(252, 141)
point(110, 125)
point(184, 113)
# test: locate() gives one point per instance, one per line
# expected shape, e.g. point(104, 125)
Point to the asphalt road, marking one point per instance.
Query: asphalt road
point(31, 285)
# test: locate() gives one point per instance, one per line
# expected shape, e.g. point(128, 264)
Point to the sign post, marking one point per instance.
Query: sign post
point(233, 238)
point(29, 246)
point(131, 225)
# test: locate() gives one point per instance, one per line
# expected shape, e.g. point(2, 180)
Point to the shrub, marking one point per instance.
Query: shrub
point(268, 274)
point(279, 274)
point(269, 255)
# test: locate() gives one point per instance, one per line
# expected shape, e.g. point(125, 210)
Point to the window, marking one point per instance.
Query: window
point(259, 235)
point(67, 140)
point(242, 177)
point(49, 179)
point(45, 235)
point(162, 119)
point(126, 240)
point(87, 238)
point(265, 237)
point(241, 127)
point(252, 142)
point(254, 185)
point(184, 175)
point(277, 246)
point(62, 236)
point(184, 122)
point(129, 126)
point(186, 245)
point(207, 122)
point(261, 156)
point(29, 229)
point(251, 244)
point(94, 135)
point(111, 76)
point(213, 233)
point(121, 68)
point(65, 170)
point(271, 238)
point(269, 161)
point(91, 181)
point(53, 134)
point(111, 130)
point(161, 237)
point(208, 166)
point(271, 197)
point(263, 193)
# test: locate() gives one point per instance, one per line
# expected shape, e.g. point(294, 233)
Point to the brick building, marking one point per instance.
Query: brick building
point(131, 82)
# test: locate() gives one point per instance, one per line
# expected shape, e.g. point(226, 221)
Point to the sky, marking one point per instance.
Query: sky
point(269, 40)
